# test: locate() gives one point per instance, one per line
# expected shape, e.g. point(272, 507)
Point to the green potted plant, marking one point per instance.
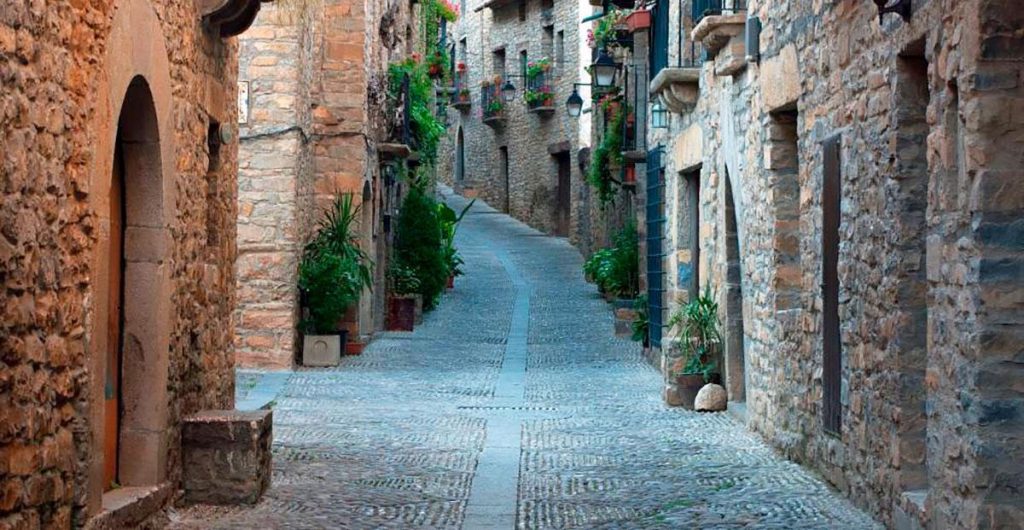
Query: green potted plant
point(333, 273)
point(419, 244)
point(449, 221)
point(699, 341)
point(404, 289)
point(642, 324)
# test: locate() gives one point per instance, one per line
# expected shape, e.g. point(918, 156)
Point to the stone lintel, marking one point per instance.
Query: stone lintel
point(394, 150)
point(559, 147)
point(678, 88)
point(715, 31)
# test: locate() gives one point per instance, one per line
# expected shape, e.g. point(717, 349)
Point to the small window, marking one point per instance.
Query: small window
point(523, 62)
point(462, 50)
point(499, 62)
point(522, 10)
point(560, 51)
point(548, 41)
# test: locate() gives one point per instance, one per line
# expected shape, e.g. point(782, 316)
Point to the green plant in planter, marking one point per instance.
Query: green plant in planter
point(494, 107)
point(616, 270)
point(334, 270)
point(641, 326)
point(449, 221)
point(425, 126)
point(403, 279)
point(700, 338)
point(419, 244)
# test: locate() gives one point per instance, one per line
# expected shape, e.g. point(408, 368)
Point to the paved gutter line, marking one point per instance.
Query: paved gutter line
point(265, 391)
point(494, 495)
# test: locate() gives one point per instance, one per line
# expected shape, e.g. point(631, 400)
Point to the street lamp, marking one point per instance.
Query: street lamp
point(659, 118)
point(574, 105)
point(508, 91)
point(604, 69)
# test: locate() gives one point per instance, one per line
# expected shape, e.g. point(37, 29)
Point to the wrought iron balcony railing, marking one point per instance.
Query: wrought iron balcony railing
point(704, 8)
point(491, 104)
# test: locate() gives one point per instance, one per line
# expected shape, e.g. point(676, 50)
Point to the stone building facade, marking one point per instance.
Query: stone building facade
point(117, 213)
point(849, 193)
point(316, 80)
point(528, 163)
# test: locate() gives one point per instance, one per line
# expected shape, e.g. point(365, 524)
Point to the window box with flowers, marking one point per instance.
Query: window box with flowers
point(461, 97)
point(539, 94)
point(491, 106)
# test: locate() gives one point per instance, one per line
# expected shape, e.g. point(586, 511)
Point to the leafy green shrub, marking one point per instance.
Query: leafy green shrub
point(334, 270)
point(403, 279)
point(616, 270)
point(642, 325)
point(449, 222)
point(419, 246)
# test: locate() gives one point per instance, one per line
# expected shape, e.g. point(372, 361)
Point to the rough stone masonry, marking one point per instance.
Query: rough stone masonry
point(106, 103)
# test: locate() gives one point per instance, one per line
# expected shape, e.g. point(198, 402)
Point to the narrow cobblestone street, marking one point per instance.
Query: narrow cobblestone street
point(513, 406)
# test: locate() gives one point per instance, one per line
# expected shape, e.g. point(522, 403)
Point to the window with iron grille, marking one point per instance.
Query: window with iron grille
point(659, 37)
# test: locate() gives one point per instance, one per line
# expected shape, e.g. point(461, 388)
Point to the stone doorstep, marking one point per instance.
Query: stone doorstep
point(226, 456)
point(716, 31)
point(128, 507)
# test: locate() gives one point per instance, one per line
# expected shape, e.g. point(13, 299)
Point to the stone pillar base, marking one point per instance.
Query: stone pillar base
point(226, 456)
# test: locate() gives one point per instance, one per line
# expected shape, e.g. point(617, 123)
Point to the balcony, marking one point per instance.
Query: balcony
point(402, 142)
point(491, 103)
point(719, 26)
point(678, 88)
point(461, 97)
point(539, 95)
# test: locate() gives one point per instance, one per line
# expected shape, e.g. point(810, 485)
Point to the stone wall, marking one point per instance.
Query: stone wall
point(930, 421)
point(317, 83)
point(531, 139)
point(64, 69)
point(275, 184)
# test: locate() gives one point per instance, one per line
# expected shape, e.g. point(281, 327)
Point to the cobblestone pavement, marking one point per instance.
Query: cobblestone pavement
point(513, 405)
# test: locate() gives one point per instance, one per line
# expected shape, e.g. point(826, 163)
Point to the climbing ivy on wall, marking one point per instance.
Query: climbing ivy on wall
point(608, 153)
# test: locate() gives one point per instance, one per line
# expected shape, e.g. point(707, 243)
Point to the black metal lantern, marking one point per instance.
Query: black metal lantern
point(604, 69)
point(900, 7)
point(659, 115)
point(508, 91)
point(574, 105)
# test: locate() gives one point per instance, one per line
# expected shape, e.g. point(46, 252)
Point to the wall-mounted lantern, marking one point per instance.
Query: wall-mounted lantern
point(659, 115)
point(900, 7)
point(574, 105)
point(604, 69)
point(508, 91)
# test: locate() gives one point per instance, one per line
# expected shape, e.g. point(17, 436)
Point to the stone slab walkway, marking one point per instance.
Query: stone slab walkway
point(513, 406)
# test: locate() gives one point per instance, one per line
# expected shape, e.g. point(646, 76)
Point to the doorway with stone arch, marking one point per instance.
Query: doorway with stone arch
point(735, 353)
point(132, 199)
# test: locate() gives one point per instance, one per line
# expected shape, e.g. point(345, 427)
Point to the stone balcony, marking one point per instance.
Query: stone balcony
point(722, 37)
point(678, 88)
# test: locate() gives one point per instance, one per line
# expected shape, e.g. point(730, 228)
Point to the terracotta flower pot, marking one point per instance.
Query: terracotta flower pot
point(630, 176)
point(639, 19)
point(451, 281)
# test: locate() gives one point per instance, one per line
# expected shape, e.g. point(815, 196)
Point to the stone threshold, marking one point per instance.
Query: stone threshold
point(130, 506)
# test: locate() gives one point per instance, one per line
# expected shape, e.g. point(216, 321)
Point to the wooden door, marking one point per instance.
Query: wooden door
point(564, 195)
point(112, 375)
point(831, 347)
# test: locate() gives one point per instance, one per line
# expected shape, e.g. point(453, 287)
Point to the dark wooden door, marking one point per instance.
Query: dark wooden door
point(832, 355)
point(564, 196)
point(115, 300)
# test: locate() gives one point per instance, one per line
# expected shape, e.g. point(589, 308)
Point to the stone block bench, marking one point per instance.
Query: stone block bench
point(226, 456)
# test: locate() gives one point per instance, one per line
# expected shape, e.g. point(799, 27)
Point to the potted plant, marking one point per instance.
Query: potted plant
point(449, 222)
point(333, 273)
point(435, 65)
point(419, 244)
point(402, 301)
point(641, 326)
point(700, 341)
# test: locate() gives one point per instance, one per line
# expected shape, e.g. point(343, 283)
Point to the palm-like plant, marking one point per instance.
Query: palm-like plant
point(698, 321)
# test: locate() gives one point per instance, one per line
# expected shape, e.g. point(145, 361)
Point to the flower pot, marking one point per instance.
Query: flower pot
point(625, 315)
point(630, 175)
point(323, 350)
point(435, 71)
point(401, 313)
point(418, 300)
point(639, 19)
point(451, 281)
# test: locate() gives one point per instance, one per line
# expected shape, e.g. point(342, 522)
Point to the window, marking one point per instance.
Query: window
point(462, 50)
point(831, 373)
point(560, 51)
point(522, 10)
point(659, 37)
point(523, 62)
point(692, 216)
point(499, 62)
point(547, 43)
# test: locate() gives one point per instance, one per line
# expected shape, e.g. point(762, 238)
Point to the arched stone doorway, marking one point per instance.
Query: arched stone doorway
point(131, 196)
point(735, 354)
